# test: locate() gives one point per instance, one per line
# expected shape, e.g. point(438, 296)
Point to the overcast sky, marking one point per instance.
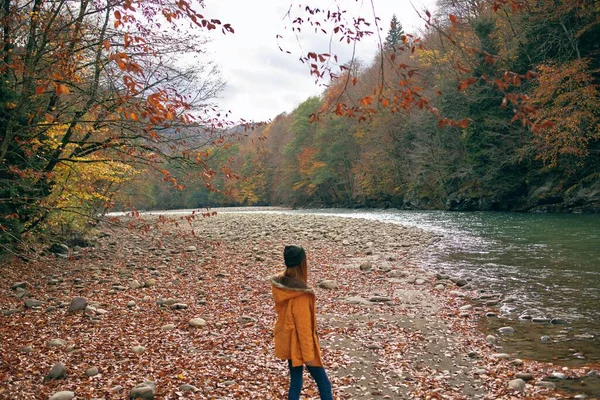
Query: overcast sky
point(262, 81)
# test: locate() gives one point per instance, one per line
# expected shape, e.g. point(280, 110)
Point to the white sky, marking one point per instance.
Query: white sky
point(262, 81)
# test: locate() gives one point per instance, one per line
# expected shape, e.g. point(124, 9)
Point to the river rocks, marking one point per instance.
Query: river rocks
point(179, 306)
point(366, 266)
point(150, 283)
point(558, 375)
point(354, 300)
point(188, 388)
point(558, 321)
point(380, 299)
point(143, 391)
point(506, 330)
point(540, 320)
point(197, 323)
point(134, 284)
point(32, 303)
point(58, 371)
point(397, 273)
point(138, 349)
point(439, 286)
point(328, 284)
point(466, 307)
point(546, 385)
point(546, 339)
point(501, 356)
point(64, 395)
point(78, 304)
point(59, 249)
point(93, 371)
point(245, 319)
point(491, 339)
point(517, 362)
point(167, 327)
point(57, 343)
point(526, 376)
point(517, 385)
point(19, 285)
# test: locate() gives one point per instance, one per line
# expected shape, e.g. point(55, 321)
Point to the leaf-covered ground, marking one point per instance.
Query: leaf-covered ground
point(386, 330)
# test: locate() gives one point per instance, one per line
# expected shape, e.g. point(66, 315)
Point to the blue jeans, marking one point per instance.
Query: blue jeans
point(317, 373)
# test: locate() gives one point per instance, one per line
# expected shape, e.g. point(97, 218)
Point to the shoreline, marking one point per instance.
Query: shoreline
point(386, 326)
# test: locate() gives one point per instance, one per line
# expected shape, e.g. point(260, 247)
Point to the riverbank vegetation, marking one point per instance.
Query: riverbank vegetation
point(492, 108)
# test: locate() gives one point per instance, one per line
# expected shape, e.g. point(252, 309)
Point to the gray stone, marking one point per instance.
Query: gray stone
point(328, 284)
point(397, 273)
point(78, 304)
point(517, 385)
point(179, 306)
point(506, 330)
point(366, 266)
point(26, 349)
point(134, 284)
point(558, 321)
point(354, 300)
point(138, 349)
point(526, 376)
point(57, 343)
point(64, 395)
point(131, 303)
point(20, 285)
point(466, 307)
point(419, 281)
point(559, 375)
point(517, 362)
point(244, 319)
point(144, 391)
point(59, 248)
point(167, 327)
point(546, 339)
point(541, 320)
point(188, 388)
point(546, 385)
point(491, 339)
point(58, 371)
point(380, 299)
point(93, 371)
point(197, 322)
point(150, 283)
point(439, 286)
point(501, 356)
point(30, 303)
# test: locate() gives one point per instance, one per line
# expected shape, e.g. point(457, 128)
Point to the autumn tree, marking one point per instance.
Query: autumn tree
point(104, 73)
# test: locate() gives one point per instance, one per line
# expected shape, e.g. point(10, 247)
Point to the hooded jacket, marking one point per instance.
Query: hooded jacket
point(296, 328)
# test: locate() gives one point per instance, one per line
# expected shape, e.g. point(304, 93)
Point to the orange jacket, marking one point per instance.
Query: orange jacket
point(296, 328)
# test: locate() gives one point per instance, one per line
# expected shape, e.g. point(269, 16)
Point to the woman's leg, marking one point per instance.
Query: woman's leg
point(295, 381)
point(323, 383)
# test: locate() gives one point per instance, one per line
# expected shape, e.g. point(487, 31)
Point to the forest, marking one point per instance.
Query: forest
point(494, 105)
point(543, 58)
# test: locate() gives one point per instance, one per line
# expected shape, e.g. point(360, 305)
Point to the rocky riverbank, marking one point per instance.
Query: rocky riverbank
point(180, 308)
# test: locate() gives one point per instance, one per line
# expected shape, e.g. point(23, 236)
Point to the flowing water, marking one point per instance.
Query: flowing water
point(550, 263)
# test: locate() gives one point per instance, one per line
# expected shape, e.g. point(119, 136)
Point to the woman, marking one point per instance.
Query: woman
point(296, 328)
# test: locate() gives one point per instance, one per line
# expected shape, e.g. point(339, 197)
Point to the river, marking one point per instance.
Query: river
point(549, 262)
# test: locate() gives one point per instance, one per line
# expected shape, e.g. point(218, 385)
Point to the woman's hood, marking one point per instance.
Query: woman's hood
point(285, 288)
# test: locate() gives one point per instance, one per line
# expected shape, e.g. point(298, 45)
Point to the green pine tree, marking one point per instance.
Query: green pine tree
point(394, 36)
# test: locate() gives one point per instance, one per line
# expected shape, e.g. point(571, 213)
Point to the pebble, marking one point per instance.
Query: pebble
point(526, 376)
point(517, 385)
point(57, 343)
point(138, 349)
point(197, 322)
point(58, 371)
point(64, 395)
point(93, 371)
point(167, 327)
point(328, 284)
point(506, 330)
point(546, 385)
